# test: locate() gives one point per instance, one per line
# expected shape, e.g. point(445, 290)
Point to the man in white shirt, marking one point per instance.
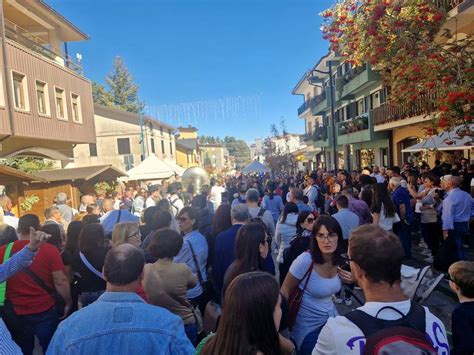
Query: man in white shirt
point(176, 203)
point(154, 196)
point(311, 191)
point(377, 175)
point(8, 217)
point(216, 193)
point(375, 257)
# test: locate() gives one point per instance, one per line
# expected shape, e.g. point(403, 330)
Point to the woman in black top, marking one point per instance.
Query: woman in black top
point(89, 261)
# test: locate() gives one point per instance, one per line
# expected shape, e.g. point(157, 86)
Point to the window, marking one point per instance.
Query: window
point(92, 149)
point(76, 108)
point(152, 143)
point(60, 102)
point(375, 99)
point(42, 98)
point(123, 146)
point(360, 107)
point(171, 148)
point(161, 131)
point(20, 91)
point(162, 146)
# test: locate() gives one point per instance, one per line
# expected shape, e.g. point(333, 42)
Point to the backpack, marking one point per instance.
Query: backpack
point(320, 200)
point(406, 335)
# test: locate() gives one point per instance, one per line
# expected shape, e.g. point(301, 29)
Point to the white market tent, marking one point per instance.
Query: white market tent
point(175, 167)
point(152, 168)
point(255, 167)
point(438, 142)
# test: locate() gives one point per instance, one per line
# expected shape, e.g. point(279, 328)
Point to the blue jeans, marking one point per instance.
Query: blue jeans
point(309, 342)
point(43, 325)
point(403, 231)
point(191, 333)
point(88, 297)
point(458, 233)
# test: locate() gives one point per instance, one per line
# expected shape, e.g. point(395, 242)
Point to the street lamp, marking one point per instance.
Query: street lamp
point(312, 80)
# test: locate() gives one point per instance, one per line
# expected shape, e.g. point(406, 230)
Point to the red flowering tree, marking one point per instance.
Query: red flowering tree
point(405, 41)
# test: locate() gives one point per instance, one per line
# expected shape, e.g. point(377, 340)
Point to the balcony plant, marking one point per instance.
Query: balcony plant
point(404, 41)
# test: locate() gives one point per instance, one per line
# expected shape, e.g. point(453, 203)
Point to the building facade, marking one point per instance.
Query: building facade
point(187, 147)
point(119, 140)
point(46, 103)
point(215, 157)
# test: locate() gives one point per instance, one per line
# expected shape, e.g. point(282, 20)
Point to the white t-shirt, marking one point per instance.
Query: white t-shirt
point(341, 336)
point(150, 202)
point(12, 221)
point(216, 196)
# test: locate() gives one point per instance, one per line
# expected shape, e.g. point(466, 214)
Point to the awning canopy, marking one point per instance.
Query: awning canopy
point(152, 168)
point(86, 173)
point(255, 167)
point(439, 142)
point(175, 167)
point(40, 152)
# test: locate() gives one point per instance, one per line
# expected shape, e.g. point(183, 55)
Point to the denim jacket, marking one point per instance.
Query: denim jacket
point(121, 323)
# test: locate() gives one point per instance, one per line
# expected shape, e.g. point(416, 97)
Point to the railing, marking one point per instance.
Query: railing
point(30, 41)
point(357, 124)
point(351, 74)
point(448, 4)
point(387, 112)
point(320, 133)
point(311, 102)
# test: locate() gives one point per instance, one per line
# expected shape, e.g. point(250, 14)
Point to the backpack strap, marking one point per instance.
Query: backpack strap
point(369, 325)
point(261, 212)
point(172, 203)
point(38, 281)
point(3, 285)
point(201, 279)
point(90, 267)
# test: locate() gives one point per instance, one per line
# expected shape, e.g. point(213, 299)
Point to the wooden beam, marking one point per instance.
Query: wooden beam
point(30, 14)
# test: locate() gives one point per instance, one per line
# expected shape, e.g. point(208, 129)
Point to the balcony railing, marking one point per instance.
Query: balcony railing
point(357, 124)
point(311, 102)
point(387, 112)
point(448, 5)
point(30, 41)
point(351, 74)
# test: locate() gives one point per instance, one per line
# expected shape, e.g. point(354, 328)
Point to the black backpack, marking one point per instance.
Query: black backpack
point(406, 335)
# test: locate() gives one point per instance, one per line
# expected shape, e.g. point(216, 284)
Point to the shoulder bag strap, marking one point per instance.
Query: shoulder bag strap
point(118, 216)
point(3, 285)
point(195, 262)
point(38, 281)
point(90, 267)
point(307, 275)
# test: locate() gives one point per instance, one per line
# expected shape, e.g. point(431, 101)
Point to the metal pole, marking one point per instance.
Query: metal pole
point(141, 130)
point(333, 118)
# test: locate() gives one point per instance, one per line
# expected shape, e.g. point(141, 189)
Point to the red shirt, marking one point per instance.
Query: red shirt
point(26, 296)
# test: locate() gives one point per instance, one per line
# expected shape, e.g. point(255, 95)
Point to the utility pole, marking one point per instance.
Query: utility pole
point(333, 118)
point(142, 138)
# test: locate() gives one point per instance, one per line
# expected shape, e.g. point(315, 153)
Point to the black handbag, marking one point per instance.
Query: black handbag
point(447, 255)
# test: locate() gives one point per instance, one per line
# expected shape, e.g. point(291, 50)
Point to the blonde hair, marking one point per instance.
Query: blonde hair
point(123, 231)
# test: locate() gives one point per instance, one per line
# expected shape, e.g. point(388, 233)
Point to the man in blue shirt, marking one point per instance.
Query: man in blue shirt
point(456, 211)
point(296, 196)
point(225, 245)
point(120, 322)
point(347, 220)
point(401, 198)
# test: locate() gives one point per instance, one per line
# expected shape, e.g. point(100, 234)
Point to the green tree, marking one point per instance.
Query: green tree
point(122, 93)
point(28, 164)
point(100, 95)
point(239, 149)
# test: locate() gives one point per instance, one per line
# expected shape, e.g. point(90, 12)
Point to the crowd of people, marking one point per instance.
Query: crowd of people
point(247, 265)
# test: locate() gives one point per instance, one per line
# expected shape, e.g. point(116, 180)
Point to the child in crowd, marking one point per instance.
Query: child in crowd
point(461, 276)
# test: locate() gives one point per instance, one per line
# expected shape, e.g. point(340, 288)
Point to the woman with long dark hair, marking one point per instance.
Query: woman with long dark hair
point(222, 221)
point(272, 201)
point(384, 212)
point(318, 270)
point(89, 261)
point(250, 319)
point(251, 250)
point(285, 230)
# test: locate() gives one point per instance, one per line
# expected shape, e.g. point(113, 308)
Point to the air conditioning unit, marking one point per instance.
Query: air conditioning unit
point(128, 161)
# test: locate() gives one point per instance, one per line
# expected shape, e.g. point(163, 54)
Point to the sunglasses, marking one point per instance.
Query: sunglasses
point(183, 219)
point(309, 220)
point(135, 235)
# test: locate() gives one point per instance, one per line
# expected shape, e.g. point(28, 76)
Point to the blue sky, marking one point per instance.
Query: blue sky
point(233, 62)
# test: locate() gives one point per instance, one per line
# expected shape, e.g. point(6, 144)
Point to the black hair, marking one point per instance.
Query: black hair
point(192, 213)
point(301, 218)
point(161, 219)
point(7, 234)
point(290, 207)
point(72, 241)
point(55, 233)
point(332, 225)
point(123, 264)
point(27, 221)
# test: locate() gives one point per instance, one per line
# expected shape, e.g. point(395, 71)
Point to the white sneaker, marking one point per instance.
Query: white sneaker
point(348, 302)
point(336, 299)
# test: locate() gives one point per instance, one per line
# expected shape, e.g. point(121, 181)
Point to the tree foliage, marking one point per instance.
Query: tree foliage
point(277, 159)
point(236, 148)
point(405, 41)
point(28, 164)
point(122, 92)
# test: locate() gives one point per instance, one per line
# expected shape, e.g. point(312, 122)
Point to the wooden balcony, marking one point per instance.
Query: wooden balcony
point(448, 5)
point(387, 112)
